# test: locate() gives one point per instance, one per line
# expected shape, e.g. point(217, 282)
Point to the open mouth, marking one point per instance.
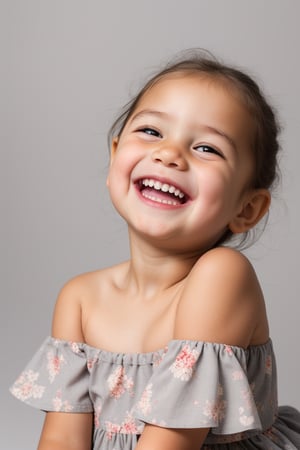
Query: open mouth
point(161, 192)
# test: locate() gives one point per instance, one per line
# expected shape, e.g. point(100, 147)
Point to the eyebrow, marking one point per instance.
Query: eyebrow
point(150, 112)
point(222, 134)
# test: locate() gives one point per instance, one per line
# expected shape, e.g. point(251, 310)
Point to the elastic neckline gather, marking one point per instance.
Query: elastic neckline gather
point(150, 357)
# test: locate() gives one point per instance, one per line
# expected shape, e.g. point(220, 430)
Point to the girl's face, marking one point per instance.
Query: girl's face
point(180, 169)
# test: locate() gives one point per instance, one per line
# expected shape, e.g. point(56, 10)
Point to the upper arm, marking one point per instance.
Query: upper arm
point(222, 300)
point(67, 317)
point(61, 430)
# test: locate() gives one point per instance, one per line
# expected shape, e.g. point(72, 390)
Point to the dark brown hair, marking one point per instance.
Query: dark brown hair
point(265, 141)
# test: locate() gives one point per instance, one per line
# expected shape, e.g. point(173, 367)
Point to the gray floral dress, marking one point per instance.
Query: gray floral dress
point(189, 384)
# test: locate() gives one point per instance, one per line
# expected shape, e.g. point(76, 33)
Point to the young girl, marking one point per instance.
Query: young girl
point(171, 349)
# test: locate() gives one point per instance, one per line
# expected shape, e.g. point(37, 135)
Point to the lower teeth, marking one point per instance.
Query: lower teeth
point(158, 200)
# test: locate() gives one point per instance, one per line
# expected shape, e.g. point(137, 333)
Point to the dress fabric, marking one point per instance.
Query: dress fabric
point(189, 384)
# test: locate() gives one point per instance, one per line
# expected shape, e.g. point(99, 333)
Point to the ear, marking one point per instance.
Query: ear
point(113, 150)
point(255, 206)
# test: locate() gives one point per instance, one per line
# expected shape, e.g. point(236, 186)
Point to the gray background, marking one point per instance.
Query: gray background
point(67, 66)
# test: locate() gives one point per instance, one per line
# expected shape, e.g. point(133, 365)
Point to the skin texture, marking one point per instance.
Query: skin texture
point(167, 138)
point(189, 133)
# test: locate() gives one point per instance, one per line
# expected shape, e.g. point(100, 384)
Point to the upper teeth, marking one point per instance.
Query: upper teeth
point(164, 187)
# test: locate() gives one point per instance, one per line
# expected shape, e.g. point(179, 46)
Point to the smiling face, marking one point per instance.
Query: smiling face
point(180, 169)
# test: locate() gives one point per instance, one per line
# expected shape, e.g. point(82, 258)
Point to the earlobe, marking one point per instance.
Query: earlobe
point(256, 206)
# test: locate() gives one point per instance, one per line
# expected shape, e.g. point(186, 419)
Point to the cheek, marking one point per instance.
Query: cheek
point(126, 158)
point(118, 179)
point(111, 180)
point(214, 186)
point(218, 195)
point(110, 175)
point(117, 167)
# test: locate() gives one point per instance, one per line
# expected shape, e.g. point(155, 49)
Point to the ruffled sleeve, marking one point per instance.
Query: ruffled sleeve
point(56, 379)
point(200, 385)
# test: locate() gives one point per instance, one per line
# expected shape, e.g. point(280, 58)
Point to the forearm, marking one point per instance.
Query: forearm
point(50, 445)
point(66, 431)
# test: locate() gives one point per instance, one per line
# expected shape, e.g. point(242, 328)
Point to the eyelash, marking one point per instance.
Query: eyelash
point(150, 131)
point(209, 149)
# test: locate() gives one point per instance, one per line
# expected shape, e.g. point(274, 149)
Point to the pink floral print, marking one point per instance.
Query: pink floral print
point(184, 363)
point(268, 366)
point(74, 347)
point(26, 387)
point(245, 419)
point(54, 365)
point(215, 410)
point(91, 362)
point(128, 426)
point(228, 350)
point(245, 416)
point(111, 429)
point(247, 398)
point(159, 356)
point(61, 405)
point(97, 413)
point(118, 383)
point(144, 404)
point(237, 375)
point(134, 391)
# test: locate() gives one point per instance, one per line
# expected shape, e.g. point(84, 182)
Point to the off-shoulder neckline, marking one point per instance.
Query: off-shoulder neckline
point(160, 351)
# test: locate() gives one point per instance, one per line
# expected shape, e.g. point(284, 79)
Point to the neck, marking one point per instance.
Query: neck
point(154, 269)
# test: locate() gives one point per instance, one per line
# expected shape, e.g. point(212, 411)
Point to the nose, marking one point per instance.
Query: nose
point(170, 157)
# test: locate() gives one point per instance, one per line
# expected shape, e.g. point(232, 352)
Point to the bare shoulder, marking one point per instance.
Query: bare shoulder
point(222, 300)
point(71, 302)
point(224, 264)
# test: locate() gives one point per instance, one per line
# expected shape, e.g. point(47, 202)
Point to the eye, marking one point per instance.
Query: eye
point(203, 148)
point(150, 131)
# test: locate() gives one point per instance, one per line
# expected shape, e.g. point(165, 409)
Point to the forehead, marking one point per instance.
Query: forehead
point(196, 84)
point(200, 98)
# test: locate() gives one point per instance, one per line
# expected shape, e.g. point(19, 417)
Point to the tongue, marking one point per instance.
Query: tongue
point(159, 195)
